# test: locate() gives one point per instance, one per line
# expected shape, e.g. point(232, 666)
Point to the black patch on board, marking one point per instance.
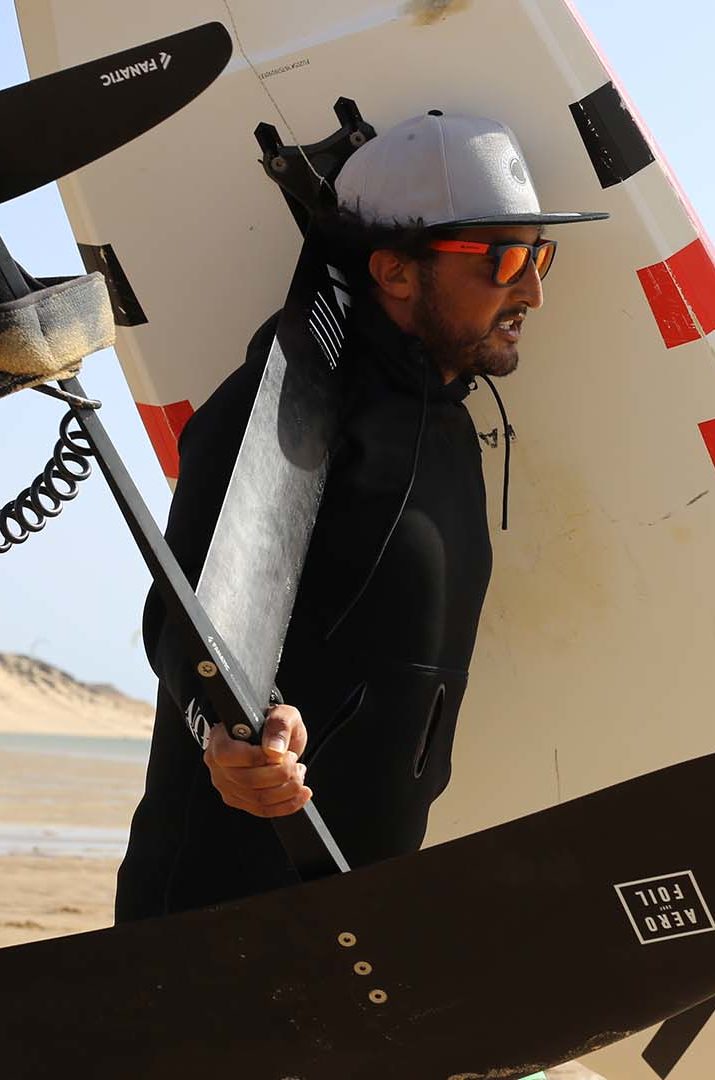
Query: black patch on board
point(665, 907)
point(675, 1037)
point(615, 143)
point(127, 309)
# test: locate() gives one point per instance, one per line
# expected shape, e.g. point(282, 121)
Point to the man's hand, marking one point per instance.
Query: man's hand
point(265, 780)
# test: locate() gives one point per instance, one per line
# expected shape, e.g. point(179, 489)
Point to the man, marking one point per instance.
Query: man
point(440, 231)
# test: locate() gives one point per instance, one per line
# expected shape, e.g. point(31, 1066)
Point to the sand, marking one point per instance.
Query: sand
point(46, 786)
point(49, 897)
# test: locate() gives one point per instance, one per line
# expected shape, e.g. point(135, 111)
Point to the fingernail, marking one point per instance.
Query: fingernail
point(303, 771)
point(277, 743)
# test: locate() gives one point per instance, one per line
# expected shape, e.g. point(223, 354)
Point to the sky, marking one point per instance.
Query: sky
point(73, 595)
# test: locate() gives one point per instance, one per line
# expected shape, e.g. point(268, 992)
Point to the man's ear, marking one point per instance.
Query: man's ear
point(393, 273)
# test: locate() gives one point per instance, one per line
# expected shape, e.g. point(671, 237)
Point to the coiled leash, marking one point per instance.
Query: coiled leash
point(46, 329)
point(57, 484)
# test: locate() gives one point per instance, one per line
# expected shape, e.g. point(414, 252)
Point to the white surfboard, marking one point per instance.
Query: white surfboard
point(594, 659)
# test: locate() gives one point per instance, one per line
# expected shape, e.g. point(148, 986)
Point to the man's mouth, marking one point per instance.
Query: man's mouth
point(510, 328)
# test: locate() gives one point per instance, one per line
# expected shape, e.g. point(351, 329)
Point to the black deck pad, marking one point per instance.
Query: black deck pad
point(125, 305)
point(615, 144)
point(490, 956)
point(53, 125)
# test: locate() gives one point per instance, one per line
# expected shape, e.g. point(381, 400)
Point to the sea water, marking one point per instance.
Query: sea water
point(104, 748)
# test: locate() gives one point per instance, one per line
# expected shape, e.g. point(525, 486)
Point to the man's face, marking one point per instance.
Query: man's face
point(470, 325)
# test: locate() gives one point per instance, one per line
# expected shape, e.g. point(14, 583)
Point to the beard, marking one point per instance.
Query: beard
point(453, 351)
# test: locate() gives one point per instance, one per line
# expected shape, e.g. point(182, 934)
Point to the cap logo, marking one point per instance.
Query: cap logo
point(517, 170)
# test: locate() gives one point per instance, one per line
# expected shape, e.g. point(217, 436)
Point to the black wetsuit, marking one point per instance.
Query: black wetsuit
point(381, 693)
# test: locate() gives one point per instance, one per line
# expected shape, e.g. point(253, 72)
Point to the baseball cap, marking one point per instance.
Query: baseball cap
point(448, 171)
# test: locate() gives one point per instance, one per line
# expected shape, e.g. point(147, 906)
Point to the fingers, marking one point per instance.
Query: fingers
point(283, 809)
point(273, 801)
point(283, 730)
point(261, 781)
point(266, 802)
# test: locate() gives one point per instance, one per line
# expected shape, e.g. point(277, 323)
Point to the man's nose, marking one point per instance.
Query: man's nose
point(529, 289)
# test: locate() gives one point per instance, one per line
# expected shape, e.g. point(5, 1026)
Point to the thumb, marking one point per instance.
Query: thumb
point(276, 734)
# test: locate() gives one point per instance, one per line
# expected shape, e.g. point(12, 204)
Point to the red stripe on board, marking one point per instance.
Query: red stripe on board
point(707, 430)
point(670, 310)
point(682, 287)
point(695, 273)
point(164, 424)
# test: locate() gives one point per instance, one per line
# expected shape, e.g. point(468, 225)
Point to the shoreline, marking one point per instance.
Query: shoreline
point(83, 731)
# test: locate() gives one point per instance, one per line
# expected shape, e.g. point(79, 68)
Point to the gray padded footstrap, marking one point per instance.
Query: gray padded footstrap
point(46, 335)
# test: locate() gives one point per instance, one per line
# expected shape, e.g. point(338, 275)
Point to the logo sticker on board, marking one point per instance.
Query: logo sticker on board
point(662, 908)
point(137, 70)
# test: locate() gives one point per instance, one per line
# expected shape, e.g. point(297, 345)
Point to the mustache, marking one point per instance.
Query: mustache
point(511, 313)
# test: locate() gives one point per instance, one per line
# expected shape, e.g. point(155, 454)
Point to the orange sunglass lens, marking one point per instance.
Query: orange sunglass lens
point(544, 259)
point(511, 264)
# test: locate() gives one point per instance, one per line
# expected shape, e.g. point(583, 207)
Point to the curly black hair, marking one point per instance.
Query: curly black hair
point(351, 241)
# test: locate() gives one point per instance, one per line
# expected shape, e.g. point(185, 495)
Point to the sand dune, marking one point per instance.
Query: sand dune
point(36, 697)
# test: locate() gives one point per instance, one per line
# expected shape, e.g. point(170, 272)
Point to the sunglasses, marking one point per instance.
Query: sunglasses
point(510, 260)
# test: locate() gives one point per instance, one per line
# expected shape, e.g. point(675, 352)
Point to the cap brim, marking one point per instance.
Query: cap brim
point(522, 219)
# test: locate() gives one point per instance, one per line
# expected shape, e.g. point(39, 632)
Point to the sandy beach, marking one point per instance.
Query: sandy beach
point(72, 762)
point(47, 897)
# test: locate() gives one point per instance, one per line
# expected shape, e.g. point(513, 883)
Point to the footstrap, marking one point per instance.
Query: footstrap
point(45, 335)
